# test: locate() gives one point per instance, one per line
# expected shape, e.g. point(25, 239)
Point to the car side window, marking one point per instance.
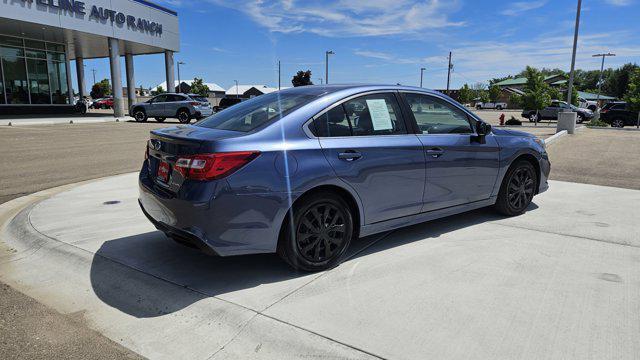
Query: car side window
point(332, 123)
point(160, 99)
point(174, 98)
point(375, 114)
point(436, 116)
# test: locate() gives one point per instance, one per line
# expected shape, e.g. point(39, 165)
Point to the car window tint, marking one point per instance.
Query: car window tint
point(376, 114)
point(435, 116)
point(160, 98)
point(175, 98)
point(332, 123)
point(619, 107)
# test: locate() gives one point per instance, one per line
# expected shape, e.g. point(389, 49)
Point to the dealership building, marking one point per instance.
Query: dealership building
point(40, 38)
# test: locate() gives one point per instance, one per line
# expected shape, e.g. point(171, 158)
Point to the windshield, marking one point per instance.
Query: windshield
point(251, 114)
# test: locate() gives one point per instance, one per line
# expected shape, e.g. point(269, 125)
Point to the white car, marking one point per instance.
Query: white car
point(490, 105)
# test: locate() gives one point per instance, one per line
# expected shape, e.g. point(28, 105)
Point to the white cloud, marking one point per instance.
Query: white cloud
point(341, 18)
point(619, 2)
point(520, 7)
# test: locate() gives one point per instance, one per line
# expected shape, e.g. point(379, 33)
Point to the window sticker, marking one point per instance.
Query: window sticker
point(379, 114)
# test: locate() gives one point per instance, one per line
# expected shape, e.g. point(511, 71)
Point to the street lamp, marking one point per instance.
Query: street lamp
point(179, 80)
point(601, 71)
point(237, 90)
point(421, 75)
point(573, 56)
point(326, 65)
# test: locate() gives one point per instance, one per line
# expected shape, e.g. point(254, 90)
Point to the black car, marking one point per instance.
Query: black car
point(225, 103)
point(618, 114)
point(551, 112)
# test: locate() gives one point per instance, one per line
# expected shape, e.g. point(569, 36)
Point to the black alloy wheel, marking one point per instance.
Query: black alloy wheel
point(518, 189)
point(321, 232)
point(140, 115)
point(183, 116)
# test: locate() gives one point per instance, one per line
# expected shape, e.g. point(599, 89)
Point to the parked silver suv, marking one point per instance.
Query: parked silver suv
point(183, 107)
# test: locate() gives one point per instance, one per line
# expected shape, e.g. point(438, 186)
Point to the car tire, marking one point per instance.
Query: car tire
point(160, 119)
point(534, 117)
point(580, 119)
point(617, 123)
point(140, 115)
point(499, 108)
point(183, 116)
point(517, 189)
point(322, 230)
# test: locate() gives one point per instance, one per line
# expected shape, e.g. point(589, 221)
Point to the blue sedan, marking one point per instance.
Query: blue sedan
point(305, 171)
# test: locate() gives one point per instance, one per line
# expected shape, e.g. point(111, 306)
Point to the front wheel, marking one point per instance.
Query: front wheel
point(534, 117)
point(618, 123)
point(140, 115)
point(318, 233)
point(184, 117)
point(580, 119)
point(517, 189)
point(499, 108)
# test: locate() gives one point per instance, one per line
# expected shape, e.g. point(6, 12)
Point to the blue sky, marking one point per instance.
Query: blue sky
point(382, 41)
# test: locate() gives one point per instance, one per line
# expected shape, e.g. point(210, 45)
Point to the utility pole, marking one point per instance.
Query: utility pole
point(237, 90)
point(601, 71)
point(326, 65)
point(449, 73)
point(421, 75)
point(179, 80)
point(573, 56)
point(279, 78)
point(94, 75)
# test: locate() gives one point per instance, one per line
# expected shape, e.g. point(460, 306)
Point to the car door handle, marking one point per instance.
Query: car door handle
point(435, 152)
point(349, 155)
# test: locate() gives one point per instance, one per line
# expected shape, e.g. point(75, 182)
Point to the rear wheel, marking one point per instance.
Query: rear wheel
point(318, 233)
point(499, 107)
point(618, 123)
point(534, 117)
point(517, 189)
point(183, 116)
point(160, 119)
point(140, 115)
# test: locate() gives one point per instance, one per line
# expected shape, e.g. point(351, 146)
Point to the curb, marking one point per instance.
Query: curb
point(61, 121)
point(612, 128)
point(554, 138)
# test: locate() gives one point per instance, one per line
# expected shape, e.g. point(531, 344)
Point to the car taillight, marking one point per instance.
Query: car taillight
point(213, 166)
point(604, 111)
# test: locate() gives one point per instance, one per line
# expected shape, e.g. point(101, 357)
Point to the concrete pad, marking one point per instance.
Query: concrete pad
point(556, 282)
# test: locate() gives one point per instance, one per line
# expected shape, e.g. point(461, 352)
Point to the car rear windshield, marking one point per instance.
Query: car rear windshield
point(251, 114)
point(200, 98)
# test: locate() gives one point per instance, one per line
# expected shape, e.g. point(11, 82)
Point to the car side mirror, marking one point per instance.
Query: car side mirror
point(482, 130)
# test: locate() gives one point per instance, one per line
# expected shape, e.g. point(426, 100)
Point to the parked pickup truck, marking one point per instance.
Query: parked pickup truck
point(490, 105)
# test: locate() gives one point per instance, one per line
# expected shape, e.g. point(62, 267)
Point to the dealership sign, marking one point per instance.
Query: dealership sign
point(98, 13)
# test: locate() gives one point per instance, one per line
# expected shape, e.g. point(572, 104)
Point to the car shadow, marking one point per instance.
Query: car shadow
point(163, 268)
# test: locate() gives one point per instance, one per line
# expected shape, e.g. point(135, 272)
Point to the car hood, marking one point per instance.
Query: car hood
point(510, 132)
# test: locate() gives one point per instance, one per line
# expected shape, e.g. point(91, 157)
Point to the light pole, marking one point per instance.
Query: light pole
point(326, 65)
point(179, 80)
point(421, 75)
point(237, 90)
point(94, 75)
point(601, 71)
point(449, 73)
point(573, 56)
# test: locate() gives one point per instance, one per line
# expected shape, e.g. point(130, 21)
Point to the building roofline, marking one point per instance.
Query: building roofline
point(157, 7)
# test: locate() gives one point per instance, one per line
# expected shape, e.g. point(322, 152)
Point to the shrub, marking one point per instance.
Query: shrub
point(513, 122)
point(597, 123)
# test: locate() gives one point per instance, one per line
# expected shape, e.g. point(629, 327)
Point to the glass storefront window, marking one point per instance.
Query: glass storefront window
point(38, 81)
point(33, 72)
point(58, 79)
point(15, 81)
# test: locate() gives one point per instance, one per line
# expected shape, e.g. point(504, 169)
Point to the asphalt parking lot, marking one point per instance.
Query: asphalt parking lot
point(436, 255)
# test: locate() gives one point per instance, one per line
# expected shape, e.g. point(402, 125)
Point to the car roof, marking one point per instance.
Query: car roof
point(355, 88)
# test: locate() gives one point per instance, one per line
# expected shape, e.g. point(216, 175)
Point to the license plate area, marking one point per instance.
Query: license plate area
point(164, 170)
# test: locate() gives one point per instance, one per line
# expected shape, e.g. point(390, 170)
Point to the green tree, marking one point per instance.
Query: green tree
point(494, 93)
point(302, 78)
point(632, 97)
point(483, 95)
point(536, 91)
point(466, 94)
point(554, 93)
point(100, 89)
point(159, 90)
point(617, 83)
point(515, 101)
point(198, 87)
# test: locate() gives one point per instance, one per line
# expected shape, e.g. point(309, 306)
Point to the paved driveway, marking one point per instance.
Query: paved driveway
point(560, 281)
